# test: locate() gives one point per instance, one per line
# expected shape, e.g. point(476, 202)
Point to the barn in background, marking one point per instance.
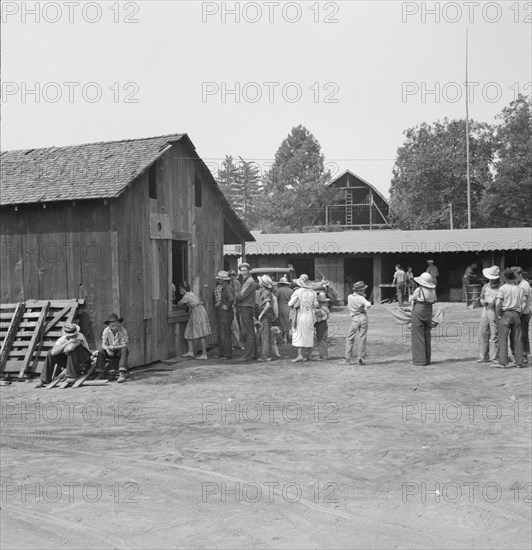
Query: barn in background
point(117, 224)
point(344, 257)
point(357, 205)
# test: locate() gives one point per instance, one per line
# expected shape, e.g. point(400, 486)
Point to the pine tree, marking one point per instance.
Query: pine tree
point(294, 189)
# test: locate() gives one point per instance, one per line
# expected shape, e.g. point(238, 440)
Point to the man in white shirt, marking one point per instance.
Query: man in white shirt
point(508, 306)
point(526, 311)
point(399, 280)
point(357, 306)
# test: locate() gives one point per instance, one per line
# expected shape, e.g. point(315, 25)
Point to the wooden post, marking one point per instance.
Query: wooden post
point(370, 209)
point(377, 271)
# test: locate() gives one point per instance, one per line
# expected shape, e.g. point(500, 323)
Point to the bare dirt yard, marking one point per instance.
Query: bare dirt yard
point(279, 455)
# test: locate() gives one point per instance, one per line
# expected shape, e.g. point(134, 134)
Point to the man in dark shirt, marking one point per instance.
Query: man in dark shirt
point(246, 305)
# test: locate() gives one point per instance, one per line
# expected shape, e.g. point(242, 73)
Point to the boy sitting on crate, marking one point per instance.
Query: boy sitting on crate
point(114, 348)
point(70, 352)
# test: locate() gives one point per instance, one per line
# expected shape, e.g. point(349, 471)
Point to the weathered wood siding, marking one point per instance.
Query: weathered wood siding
point(107, 254)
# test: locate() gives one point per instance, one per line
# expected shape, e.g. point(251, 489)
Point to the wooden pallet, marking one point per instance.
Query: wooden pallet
point(31, 330)
point(10, 316)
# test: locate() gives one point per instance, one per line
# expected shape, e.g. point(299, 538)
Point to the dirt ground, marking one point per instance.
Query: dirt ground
point(279, 455)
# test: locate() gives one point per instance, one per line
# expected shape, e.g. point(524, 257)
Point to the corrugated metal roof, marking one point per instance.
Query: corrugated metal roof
point(357, 242)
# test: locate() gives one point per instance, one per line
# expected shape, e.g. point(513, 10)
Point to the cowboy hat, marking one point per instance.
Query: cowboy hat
point(425, 279)
point(113, 317)
point(322, 298)
point(245, 264)
point(266, 280)
point(222, 276)
point(359, 286)
point(492, 272)
point(283, 281)
point(303, 281)
point(70, 329)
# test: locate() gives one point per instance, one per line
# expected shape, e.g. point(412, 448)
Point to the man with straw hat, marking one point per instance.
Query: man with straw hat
point(488, 334)
point(358, 306)
point(423, 298)
point(70, 352)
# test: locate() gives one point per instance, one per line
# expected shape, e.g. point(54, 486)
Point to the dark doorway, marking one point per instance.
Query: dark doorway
point(303, 266)
point(357, 269)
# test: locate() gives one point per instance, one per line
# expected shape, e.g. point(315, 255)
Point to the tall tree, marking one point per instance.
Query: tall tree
point(294, 189)
point(240, 185)
point(507, 201)
point(430, 173)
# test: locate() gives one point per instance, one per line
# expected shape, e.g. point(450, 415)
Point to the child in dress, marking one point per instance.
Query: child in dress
point(322, 328)
point(198, 325)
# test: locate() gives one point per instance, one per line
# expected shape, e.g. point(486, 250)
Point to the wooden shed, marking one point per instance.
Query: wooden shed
point(116, 224)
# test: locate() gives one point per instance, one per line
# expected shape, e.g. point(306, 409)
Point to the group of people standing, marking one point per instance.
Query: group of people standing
point(250, 318)
point(404, 280)
point(506, 301)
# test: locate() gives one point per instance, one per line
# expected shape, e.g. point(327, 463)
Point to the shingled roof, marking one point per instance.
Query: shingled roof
point(92, 171)
point(77, 172)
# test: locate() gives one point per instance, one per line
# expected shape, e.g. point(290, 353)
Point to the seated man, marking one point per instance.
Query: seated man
point(70, 352)
point(114, 348)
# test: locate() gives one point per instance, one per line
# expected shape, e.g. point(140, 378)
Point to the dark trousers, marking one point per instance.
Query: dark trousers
point(401, 292)
point(421, 325)
point(322, 336)
point(119, 356)
point(74, 362)
point(510, 325)
point(266, 333)
point(248, 329)
point(225, 344)
point(525, 322)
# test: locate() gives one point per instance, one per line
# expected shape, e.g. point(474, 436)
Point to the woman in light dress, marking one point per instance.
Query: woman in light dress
point(302, 305)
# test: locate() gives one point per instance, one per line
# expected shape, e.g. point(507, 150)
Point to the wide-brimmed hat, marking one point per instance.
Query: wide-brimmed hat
point(231, 272)
point(426, 280)
point(322, 297)
point(283, 281)
point(245, 264)
point(70, 329)
point(265, 280)
point(303, 281)
point(222, 276)
point(359, 286)
point(113, 317)
point(492, 272)
point(430, 261)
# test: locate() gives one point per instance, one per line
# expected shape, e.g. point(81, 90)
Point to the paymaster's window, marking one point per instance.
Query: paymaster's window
point(179, 268)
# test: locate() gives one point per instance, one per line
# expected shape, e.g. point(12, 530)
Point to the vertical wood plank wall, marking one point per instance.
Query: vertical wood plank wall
point(104, 253)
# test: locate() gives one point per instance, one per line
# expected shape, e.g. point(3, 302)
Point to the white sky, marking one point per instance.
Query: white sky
point(177, 48)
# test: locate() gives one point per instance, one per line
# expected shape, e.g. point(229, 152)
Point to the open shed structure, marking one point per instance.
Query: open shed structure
point(118, 225)
point(357, 205)
point(344, 257)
